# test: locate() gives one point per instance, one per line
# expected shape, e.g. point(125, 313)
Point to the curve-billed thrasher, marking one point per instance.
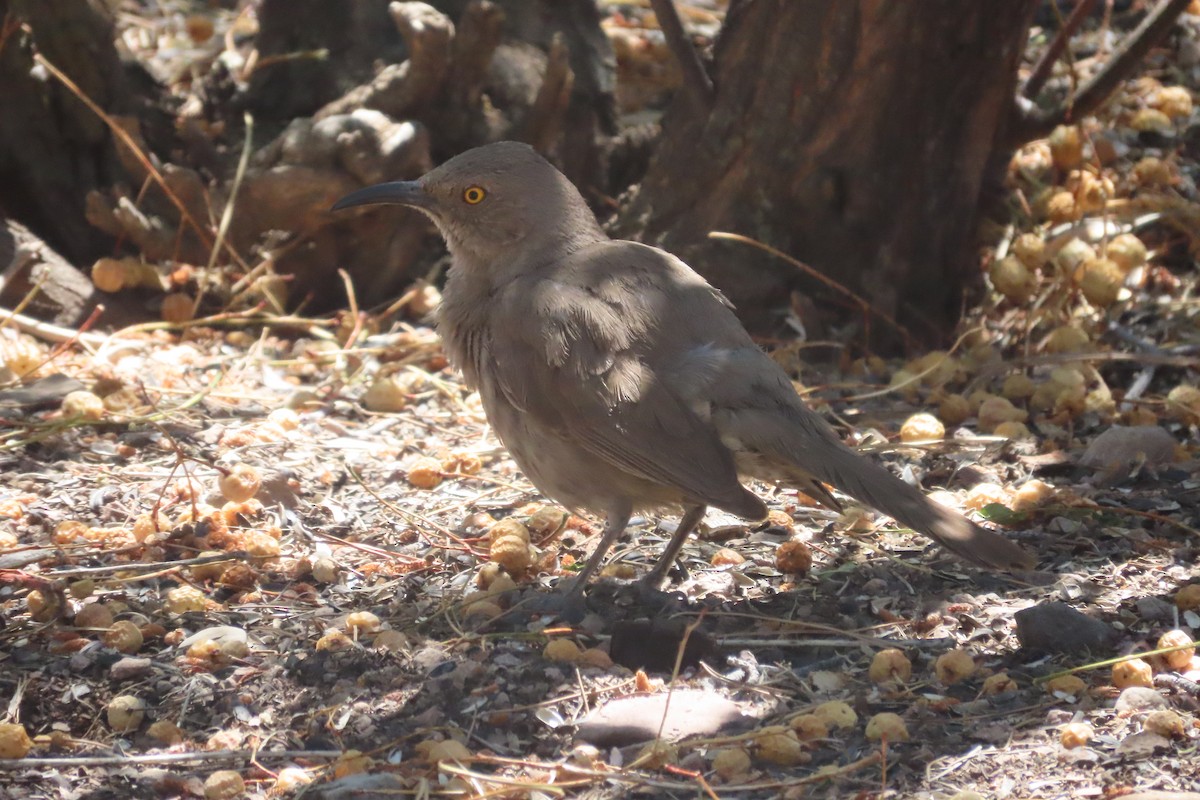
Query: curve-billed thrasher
point(617, 377)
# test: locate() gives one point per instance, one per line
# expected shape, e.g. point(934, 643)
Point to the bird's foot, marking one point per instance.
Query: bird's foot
point(647, 597)
point(566, 602)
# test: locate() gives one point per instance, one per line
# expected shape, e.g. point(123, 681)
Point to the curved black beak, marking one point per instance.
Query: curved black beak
point(398, 193)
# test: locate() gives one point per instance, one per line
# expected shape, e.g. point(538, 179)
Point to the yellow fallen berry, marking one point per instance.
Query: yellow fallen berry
point(1030, 249)
point(1060, 207)
point(836, 714)
point(508, 527)
point(954, 667)
point(1017, 386)
point(177, 307)
point(1012, 430)
point(561, 650)
point(996, 410)
point(1153, 172)
point(1067, 339)
point(1069, 685)
point(360, 622)
point(23, 356)
point(545, 522)
point(512, 553)
point(730, 763)
point(1100, 281)
point(1134, 672)
point(953, 409)
point(83, 405)
point(183, 599)
point(1183, 403)
point(809, 727)
point(108, 274)
point(1177, 659)
point(1127, 251)
point(289, 781)
point(1066, 147)
point(782, 747)
point(165, 731)
point(1092, 191)
point(890, 665)
point(94, 615)
point(240, 484)
point(1175, 102)
point(1166, 722)
point(388, 394)
point(982, 495)
point(793, 557)
point(125, 713)
point(1188, 597)
point(1075, 734)
point(922, 427)
point(935, 368)
point(595, 657)
point(998, 684)
point(352, 762)
point(334, 641)
point(1013, 279)
point(887, 725)
point(14, 740)
point(1150, 120)
point(1031, 494)
point(425, 473)
point(123, 636)
point(224, 784)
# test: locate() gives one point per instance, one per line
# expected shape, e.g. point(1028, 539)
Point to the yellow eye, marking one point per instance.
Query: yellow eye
point(474, 195)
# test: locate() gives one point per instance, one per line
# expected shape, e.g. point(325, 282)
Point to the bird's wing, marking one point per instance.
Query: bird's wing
point(577, 358)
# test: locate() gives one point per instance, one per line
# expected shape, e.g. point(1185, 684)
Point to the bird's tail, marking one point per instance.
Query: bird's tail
point(807, 447)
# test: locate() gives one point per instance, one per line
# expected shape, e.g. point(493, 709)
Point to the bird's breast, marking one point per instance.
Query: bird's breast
point(468, 349)
point(463, 324)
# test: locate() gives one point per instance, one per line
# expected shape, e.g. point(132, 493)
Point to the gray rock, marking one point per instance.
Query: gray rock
point(1155, 609)
point(1142, 745)
point(631, 720)
point(1054, 627)
point(128, 668)
point(1140, 698)
point(1119, 450)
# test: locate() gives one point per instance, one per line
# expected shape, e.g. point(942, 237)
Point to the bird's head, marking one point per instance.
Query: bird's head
point(497, 204)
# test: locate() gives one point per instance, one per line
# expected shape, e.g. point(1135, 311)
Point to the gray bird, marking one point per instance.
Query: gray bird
point(617, 377)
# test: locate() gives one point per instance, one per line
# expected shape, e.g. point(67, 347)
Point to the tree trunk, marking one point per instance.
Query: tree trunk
point(53, 149)
point(852, 135)
point(63, 295)
point(296, 77)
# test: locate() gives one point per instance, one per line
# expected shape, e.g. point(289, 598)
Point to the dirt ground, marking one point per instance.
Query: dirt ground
point(257, 662)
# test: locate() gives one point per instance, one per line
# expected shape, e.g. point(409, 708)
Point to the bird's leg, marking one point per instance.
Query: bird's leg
point(614, 523)
point(691, 518)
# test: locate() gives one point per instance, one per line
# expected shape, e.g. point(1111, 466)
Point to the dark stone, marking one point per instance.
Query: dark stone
point(1054, 627)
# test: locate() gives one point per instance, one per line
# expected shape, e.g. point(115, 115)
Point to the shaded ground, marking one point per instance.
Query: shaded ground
point(339, 528)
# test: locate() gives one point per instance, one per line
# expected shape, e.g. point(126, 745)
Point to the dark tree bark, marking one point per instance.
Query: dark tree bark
point(64, 296)
point(591, 114)
point(53, 149)
point(852, 135)
point(292, 80)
